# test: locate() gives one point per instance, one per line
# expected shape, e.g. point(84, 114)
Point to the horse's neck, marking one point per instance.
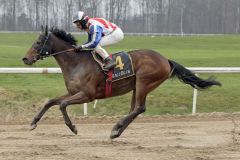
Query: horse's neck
point(69, 60)
point(63, 59)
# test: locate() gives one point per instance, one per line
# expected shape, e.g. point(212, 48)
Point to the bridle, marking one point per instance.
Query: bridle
point(43, 48)
point(43, 51)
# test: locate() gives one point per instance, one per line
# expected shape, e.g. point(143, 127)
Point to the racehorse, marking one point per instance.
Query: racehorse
point(85, 81)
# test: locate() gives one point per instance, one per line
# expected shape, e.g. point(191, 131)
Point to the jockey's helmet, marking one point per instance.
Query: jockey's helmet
point(82, 18)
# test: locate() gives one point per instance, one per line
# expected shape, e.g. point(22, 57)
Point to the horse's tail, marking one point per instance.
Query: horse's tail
point(190, 78)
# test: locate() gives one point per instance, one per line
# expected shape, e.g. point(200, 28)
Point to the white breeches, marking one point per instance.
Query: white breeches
point(107, 40)
point(112, 38)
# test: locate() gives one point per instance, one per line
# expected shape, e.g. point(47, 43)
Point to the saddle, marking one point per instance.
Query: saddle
point(123, 69)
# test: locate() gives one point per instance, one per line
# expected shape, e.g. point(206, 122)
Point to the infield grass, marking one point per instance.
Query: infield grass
point(26, 93)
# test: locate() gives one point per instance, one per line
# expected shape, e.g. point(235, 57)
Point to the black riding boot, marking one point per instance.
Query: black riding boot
point(108, 63)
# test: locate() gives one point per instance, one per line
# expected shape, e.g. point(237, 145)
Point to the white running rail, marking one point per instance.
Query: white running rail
point(58, 70)
point(196, 70)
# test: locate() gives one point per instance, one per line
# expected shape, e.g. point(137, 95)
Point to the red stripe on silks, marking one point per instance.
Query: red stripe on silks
point(102, 21)
point(113, 26)
point(105, 23)
point(108, 89)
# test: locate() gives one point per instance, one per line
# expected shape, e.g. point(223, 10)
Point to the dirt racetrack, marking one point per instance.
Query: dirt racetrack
point(202, 137)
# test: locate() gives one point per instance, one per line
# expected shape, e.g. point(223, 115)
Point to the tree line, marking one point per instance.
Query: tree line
point(141, 16)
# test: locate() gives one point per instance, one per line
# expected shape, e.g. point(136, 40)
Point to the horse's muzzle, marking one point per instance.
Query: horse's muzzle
point(27, 61)
point(31, 60)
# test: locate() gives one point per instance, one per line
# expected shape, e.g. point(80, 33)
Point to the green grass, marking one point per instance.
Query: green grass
point(29, 92)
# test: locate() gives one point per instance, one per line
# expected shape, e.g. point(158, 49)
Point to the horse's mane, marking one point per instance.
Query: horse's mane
point(67, 37)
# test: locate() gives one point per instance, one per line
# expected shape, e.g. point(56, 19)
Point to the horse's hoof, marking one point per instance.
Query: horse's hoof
point(74, 130)
point(114, 134)
point(32, 127)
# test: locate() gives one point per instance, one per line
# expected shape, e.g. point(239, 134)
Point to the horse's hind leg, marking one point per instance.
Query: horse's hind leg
point(137, 108)
point(133, 102)
point(78, 98)
point(143, 87)
point(48, 105)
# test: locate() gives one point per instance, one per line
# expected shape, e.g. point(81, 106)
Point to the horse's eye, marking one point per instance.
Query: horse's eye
point(38, 42)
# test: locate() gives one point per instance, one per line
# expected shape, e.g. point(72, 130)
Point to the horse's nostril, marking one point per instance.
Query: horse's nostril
point(24, 59)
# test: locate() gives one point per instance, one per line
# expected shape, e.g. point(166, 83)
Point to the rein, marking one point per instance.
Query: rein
point(68, 50)
point(56, 53)
point(41, 51)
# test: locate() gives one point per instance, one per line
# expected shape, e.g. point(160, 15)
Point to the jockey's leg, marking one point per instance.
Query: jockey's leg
point(107, 40)
point(108, 62)
point(101, 52)
point(115, 37)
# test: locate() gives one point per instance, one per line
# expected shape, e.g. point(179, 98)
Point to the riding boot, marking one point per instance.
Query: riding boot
point(108, 63)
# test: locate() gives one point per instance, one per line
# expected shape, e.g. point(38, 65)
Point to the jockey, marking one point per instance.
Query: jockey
point(100, 33)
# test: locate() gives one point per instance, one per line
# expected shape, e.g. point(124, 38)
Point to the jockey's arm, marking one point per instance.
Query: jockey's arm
point(95, 35)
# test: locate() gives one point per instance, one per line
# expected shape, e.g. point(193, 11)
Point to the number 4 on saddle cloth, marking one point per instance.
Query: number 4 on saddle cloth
point(123, 69)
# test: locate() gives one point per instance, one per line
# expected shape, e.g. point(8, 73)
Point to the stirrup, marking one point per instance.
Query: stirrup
point(107, 67)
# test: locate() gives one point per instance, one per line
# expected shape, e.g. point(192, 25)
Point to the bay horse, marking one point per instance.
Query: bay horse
point(85, 81)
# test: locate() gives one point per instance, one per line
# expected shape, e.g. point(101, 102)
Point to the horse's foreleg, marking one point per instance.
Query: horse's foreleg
point(78, 98)
point(48, 105)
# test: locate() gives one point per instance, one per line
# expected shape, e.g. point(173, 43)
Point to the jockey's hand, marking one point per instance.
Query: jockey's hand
point(78, 48)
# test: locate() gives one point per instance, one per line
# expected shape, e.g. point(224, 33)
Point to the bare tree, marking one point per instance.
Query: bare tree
point(14, 15)
point(172, 16)
point(46, 11)
point(125, 14)
point(238, 17)
point(80, 4)
point(54, 12)
point(69, 4)
point(37, 5)
point(3, 5)
point(111, 5)
point(94, 7)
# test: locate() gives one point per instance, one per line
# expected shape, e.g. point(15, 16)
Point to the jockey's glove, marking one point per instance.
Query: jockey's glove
point(78, 48)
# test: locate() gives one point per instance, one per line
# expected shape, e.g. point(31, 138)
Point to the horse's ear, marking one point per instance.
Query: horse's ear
point(42, 28)
point(46, 30)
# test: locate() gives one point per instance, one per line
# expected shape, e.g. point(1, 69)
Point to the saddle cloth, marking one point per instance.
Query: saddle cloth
point(123, 68)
